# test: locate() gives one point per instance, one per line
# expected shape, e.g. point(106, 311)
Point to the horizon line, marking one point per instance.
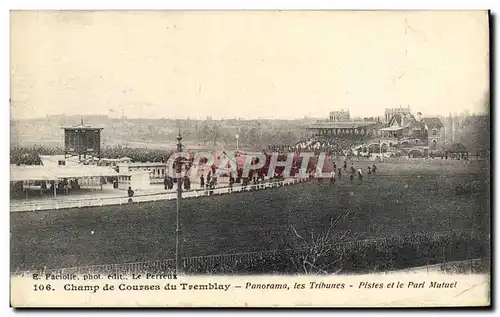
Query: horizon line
point(481, 113)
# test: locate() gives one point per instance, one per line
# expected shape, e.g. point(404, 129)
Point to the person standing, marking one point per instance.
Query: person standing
point(202, 181)
point(332, 178)
point(231, 182)
point(187, 183)
point(360, 176)
point(130, 193)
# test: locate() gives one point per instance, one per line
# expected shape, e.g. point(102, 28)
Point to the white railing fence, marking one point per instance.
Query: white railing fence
point(95, 202)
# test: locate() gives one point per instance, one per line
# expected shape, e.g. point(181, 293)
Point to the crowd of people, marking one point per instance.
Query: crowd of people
point(330, 145)
point(136, 155)
point(31, 156)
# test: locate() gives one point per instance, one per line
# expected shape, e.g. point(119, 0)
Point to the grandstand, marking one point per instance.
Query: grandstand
point(400, 133)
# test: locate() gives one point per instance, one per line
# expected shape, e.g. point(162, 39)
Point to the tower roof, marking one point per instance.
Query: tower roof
point(82, 126)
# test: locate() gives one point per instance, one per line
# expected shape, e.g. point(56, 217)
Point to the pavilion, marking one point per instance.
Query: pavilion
point(338, 128)
point(39, 176)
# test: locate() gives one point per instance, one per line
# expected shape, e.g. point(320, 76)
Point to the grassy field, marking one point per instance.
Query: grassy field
point(400, 199)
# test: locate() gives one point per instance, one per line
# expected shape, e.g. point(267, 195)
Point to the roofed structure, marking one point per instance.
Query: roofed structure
point(341, 125)
point(432, 123)
point(52, 173)
point(82, 126)
point(83, 140)
point(457, 148)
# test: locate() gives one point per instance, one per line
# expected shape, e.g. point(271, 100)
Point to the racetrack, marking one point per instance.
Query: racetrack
point(401, 198)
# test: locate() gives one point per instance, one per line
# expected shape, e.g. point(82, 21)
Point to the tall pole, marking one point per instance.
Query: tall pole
point(178, 169)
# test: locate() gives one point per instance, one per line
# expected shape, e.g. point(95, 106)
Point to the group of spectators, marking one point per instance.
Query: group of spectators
point(136, 155)
point(338, 145)
point(31, 156)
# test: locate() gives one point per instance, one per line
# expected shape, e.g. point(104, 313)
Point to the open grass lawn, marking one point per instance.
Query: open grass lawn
point(394, 202)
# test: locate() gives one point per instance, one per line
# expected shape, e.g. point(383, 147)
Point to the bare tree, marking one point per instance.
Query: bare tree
point(317, 252)
point(205, 131)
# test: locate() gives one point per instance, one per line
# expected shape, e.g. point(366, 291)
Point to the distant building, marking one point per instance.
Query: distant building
point(401, 132)
point(391, 112)
point(435, 132)
point(340, 116)
point(413, 133)
point(342, 128)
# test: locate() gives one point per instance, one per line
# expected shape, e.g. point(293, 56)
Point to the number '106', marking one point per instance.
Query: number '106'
point(42, 287)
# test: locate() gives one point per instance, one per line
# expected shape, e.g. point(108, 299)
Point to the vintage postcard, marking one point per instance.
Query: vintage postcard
point(250, 159)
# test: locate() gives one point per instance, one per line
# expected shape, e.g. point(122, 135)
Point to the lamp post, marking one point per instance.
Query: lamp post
point(237, 143)
point(178, 170)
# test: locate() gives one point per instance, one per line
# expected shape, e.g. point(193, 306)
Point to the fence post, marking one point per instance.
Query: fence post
point(100, 202)
point(33, 207)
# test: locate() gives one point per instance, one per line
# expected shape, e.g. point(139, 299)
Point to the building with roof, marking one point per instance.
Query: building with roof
point(413, 133)
point(401, 132)
point(82, 167)
point(435, 132)
point(340, 115)
point(389, 113)
point(136, 180)
point(345, 128)
point(156, 170)
point(57, 178)
point(82, 140)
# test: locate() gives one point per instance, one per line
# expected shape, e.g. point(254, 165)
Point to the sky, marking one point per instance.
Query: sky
point(247, 64)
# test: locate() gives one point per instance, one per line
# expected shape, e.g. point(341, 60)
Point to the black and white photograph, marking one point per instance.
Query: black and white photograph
point(149, 149)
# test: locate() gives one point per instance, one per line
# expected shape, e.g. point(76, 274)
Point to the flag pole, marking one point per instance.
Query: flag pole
point(178, 168)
